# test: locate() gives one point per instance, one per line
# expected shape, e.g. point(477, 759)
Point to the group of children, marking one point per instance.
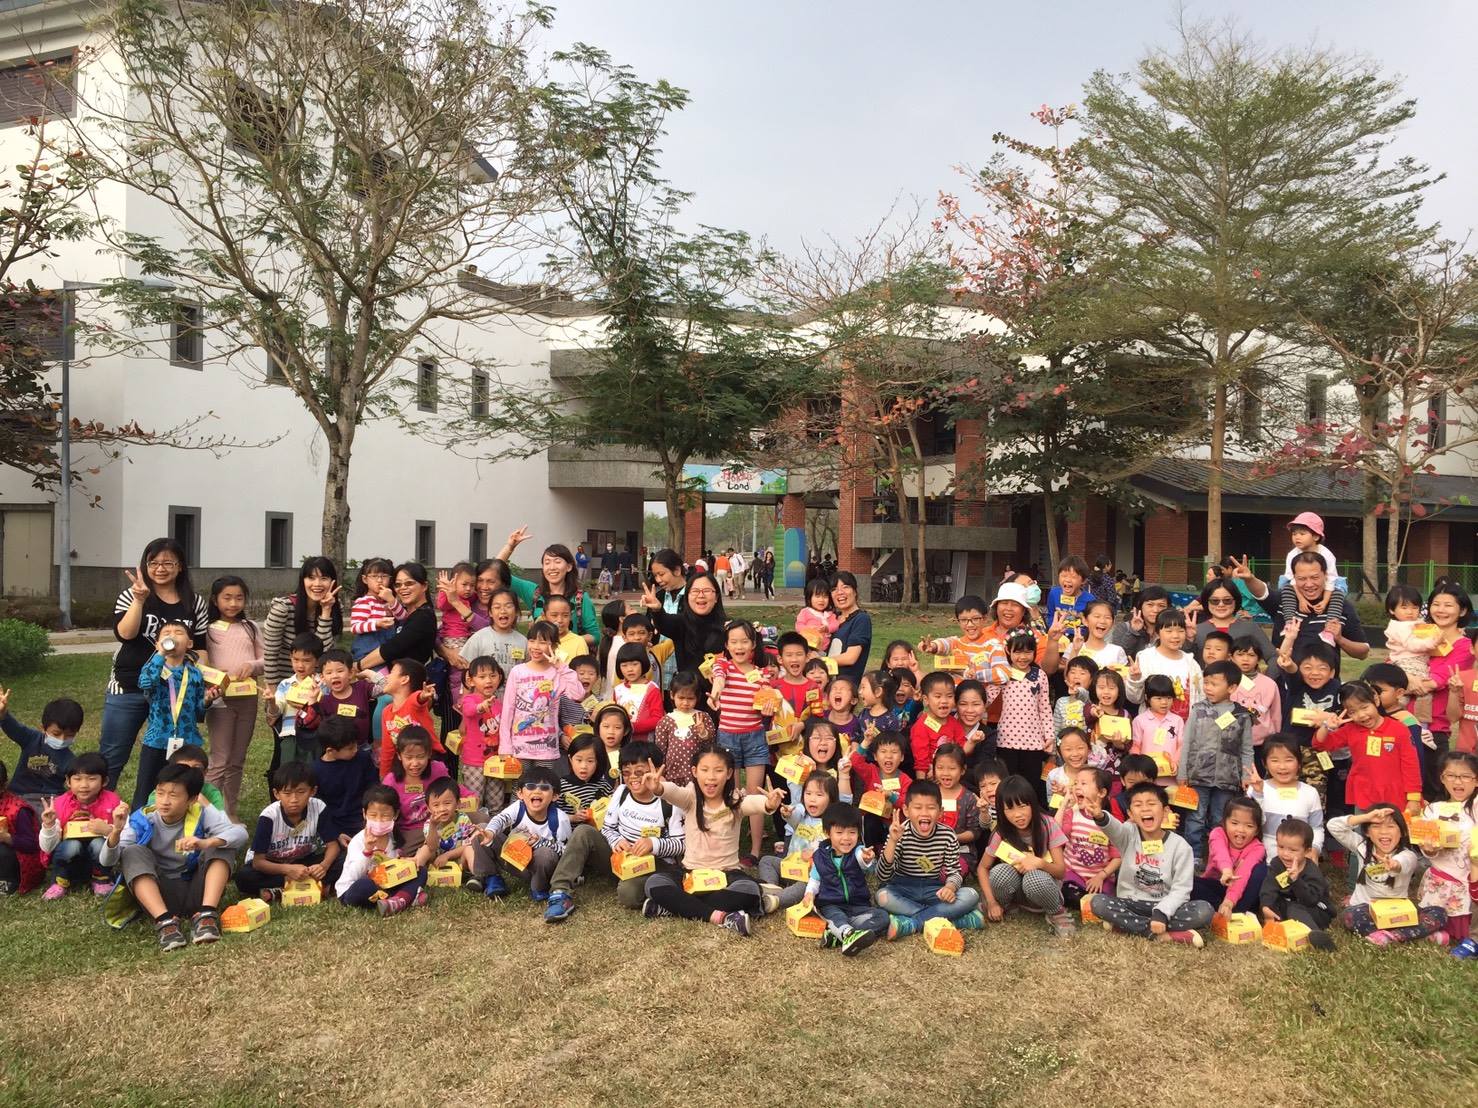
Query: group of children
point(1152, 793)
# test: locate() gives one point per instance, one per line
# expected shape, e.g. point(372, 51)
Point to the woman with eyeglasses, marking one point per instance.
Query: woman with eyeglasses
point(312, 608)
point(415, 636)
point(697, 629)
point(1221, 608)
point(159, 593)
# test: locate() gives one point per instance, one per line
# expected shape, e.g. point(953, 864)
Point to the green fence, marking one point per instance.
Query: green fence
point(1423, 575)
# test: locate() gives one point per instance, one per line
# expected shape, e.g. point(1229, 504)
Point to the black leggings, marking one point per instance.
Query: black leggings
point(10, 865)
point(1028, 764)
point(741, 895)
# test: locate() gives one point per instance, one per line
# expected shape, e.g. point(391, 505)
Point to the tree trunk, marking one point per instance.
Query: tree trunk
point(334, 538)
point(1218, 454)
point(922, 534)
point(1393, 545)
point(1370, 547)
point(900, 494)
point(676, 514)
point(1049, 511)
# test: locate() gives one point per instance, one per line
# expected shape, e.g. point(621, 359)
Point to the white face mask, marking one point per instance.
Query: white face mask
point(58, 743)
point(1033, 595)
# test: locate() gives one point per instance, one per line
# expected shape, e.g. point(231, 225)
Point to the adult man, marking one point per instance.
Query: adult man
point(1311, 588)
point(738, 567)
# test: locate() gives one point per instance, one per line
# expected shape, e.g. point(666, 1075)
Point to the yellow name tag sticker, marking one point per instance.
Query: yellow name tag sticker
point(1152, 846)
point(1098, 838)
point(1372, 746)
point(221, 625)
point(1325, 761)
point(349, 710)
point(1226, 719)
point(890, 784)
point(1284, 879)
point(932, 724)
point(950, 805)
point(1056, 801)
point(1288, 792)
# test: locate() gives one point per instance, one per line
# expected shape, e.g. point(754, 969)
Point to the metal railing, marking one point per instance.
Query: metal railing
point(938, 511)
point(1422, 575)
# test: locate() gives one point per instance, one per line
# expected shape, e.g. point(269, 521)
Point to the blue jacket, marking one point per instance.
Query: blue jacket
point(41, 770)
point(843, 881)
point(163, 726)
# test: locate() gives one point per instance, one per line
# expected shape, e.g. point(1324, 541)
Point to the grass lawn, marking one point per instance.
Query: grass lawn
point(476, 1002)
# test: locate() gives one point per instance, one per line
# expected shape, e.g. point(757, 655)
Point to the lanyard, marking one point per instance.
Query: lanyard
point(177, 698)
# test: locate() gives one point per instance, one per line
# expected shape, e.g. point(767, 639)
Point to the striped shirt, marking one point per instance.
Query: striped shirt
point(736, 713)
point(132, 654)
point(921, 859)
point(575, 794)
point(630, 819)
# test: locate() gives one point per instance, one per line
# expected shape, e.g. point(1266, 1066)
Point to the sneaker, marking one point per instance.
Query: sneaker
point(420, 899)
point(472, 884)
point(650, 909)
point(169, 934)
point(1380, 938)
point(205, 927)
point(1063, 925)
point(737, 922)
point(493, 885)
point(1441, 938)
point(9, 888)
point(971, 921)
point(1468, 948)
point(561, 906)
point(102, 887)
point(55, 891)
point(856, 941)
point(1321, 940)
point(769, 897)
point(393, 904)
point(900, 927)
point(270, 896)
point(538, 897)
point(749, 861)
point(1190, 938)
point(835, 936)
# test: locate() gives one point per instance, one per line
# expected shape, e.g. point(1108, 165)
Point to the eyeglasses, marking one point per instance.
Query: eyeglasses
point(160, 563)
point(1221, 600)
point(406, 584)
point(970, 619)
point(1459, 777)
point(702, 592)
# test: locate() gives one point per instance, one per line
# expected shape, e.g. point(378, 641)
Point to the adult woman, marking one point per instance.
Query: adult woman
point(491, 575)
point(1450, 609)
point(766, 572)
point(852, 641)
point(314, 608)
point(415, 635)
point(1139, 630)
point(672, 586)
point(697, 629)
point(1101, 581)
point(556, 578)
point(1221, 603)
point(159, 592)
point(1311, 586)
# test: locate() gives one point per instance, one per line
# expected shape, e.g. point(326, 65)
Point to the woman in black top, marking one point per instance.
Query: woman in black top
point(697, 630)
point(415, 636)
point(160, 592)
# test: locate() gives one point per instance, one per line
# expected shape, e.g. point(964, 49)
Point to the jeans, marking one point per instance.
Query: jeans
point(152, 759)
point(1208, 812)
point(791, 892)
point(906, 896)
point(77, 859)
point(748, 747)
point(857, 918)
point(124, 716)
point(1213, 892)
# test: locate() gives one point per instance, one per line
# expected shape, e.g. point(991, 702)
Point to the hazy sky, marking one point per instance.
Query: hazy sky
point(813, 115)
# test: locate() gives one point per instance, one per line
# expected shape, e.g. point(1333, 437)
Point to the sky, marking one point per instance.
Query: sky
point(812, 117)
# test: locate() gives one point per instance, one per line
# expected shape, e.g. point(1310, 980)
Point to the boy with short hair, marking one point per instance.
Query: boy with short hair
point(1154, 884)
point(990, 773)
point(1295, 888)
point(41, 769)
point(937, 724)
point(969, 653)
point(344, 771)
point(587, 672)
point(1389, 682)
point(341, 696)
point(1215, 647)
point(178, 699)
point(1133, 768)
point(175, 858)
point(405, 684)
point(920, 868)
point(1215, 753)
point(449, 834)
point(195, 756)
point(637, 822)
point(837, 886)
point(799, 691)
point(295, 837)
point(534, 818)
point(287, 709)
point(1310, 683)
point(879, 769)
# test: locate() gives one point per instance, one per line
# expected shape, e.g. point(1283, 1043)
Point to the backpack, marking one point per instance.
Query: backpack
point(622, 792)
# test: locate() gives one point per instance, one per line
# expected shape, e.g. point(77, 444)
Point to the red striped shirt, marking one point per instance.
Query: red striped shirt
point(736, 712)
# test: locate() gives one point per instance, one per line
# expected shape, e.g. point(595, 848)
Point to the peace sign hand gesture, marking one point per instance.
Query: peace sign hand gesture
point(138, 583)
point(48, 812)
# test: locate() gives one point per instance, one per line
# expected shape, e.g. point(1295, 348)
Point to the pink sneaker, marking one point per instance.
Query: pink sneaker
point(1441, 938)
point(1380, 938)
point(56, 891)
point(102, 888)
point(1190, 938)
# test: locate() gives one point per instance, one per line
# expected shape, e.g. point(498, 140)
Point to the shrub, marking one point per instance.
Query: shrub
point(22, 646)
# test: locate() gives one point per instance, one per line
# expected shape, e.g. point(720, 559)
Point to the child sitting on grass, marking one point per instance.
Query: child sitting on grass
point(1236, 861)
point(21, 864)
point(837, 886)
point(538, 821)
point(1379, 841)
point(920, 868)
point(175, 858)
point(195, 756)
point(73, 826)
point(448, 834)
point(344, 772)
point(1022, 863)
point(369, 848)
point(1294, 888)
point(1090, 861)
point(295, 839)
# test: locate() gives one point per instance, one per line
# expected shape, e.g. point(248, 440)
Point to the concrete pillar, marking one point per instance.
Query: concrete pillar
point(793, 551)
point(854, 485)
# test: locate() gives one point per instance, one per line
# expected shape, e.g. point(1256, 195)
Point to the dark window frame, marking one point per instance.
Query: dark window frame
point(185, 330)
point(287, 559)
point(481, 391)
point(477, 542)
point(35, 76)
point(192, 547)
point(426, 384)
point(427, 555)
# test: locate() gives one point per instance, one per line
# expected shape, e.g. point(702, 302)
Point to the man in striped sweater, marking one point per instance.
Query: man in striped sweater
point(920, 868)
point(637, 822)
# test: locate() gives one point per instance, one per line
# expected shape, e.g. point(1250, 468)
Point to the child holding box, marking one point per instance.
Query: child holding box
point(1294, 888)
point(804, 833)
point(533, 819)
point(1236, 861)
point(1379, 842)
point(1383, 766)
point(448, 834)
point(482, 717)
point(73, 826)
point(372, 847)
point(1089, 859)
point(1022, 863)
point(1448, 883)
point(295, 838)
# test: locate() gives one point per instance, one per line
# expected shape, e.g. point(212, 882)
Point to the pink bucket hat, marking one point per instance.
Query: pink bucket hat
point(1309, 520)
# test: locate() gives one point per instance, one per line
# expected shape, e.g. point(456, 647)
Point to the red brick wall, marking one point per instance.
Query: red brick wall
point(1429, 543)
point(1087, 530)
point(969, 506)
point(693, 520)
point(792, 510)
point(1166, 535)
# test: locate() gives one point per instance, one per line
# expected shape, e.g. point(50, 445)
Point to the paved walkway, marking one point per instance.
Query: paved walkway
point(89, 641)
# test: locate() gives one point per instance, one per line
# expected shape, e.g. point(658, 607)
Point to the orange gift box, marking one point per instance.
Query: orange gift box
point(1436, 834)
point(795, 768)
point(504, 767)
point(875, 802)
point(705, 881)
point(1183, 796)
point(393, 871)
point(1085, 909)
point(1237, 928)
point(795, 867)
point(804, 923)
point(245, 915)
point(518, 853)
point(943, 937)
point(1287, 935)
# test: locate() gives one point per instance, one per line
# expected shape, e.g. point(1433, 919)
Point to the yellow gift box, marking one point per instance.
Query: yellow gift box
point(1085, 909)
point(504, 767)
point(78, 829)
point(213, 678)
point(1170, 822)
point(518, 853)
point(626, 866)
point(1183, 796)
point(242, 688)
point(705, 881)
point(875, 802)
point(302, 893)
point(598, 810)
point(1304, 717)
point(1287, 935)
point(795, 768)
point(1436, 834)
point(804, 923)
point(453, 742)
point(1007, 853)
point(300, 693)
point(943, 937)
point(1114, 728)
point(448, 875)
point(467, 804)
point(766, 701)
point(795, 867)
point(393, 872)
point(245, 915)
point(1391, 912)
point(1162, 764)
point(1237, 928)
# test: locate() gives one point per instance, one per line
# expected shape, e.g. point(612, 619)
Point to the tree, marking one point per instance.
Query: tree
point(329, 174)
point(677, 370)
point(1233, 174)
point(1072, 413)
point(1419, 354)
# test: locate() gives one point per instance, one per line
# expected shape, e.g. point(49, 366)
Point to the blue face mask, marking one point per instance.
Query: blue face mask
point(1033, 595)
point(57, 743)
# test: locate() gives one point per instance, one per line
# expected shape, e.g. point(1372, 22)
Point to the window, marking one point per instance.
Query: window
point(426, 385)
point(1316, 401)
point(31, 325)
point(276, 366)
point(1437, 421)
point(36, 87)
point(187, 335)
point(479, 394)
point(184, 528)
point(258, 124)
point(279, 540)
point(426, 542)
point(477, 543)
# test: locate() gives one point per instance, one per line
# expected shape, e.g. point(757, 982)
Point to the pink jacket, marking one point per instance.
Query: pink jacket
point(1442, 666)
point(821, 624)
point(1263, 701)
point(1153, 735)
point(1221, 858)
point(481, 720)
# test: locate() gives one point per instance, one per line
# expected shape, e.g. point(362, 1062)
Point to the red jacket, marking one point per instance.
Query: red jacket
point(925, 740)
point(867, 774)
point(394, 720)
point(1383, 764)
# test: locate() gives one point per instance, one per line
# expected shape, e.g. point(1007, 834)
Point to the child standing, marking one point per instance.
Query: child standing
point(1256, 691)
point(1167, 658)
point(640, 697)
point(803, 834)
point(1379, 843)
point(712, 811)
point(1383, 766)
point(370, 847)
point(1236, 862)
point(73, 826)
point(878, 769)
point(816, 623)
point(1110, 741)
point(539, 694)
point(1024, 736)
point(1098, 623)
point(1216, 755)
point(937, 723)
point(684, 729)
point(1158, 732)
point(295, 838)
point(178, 699)
point(971, 652)
point(1295, 888)
point(1030, 871)
point(340, 695)
point(1449, 882)
point(501, 640)
point(837, 886)
point(959, 808)
point(920, 868)
point(1071, 709)
point(292, 696)
point(482, 715)
point(405, 685)
point(1072, 750)
point(1308, 689)
point(745, 701)
point(233, 645)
